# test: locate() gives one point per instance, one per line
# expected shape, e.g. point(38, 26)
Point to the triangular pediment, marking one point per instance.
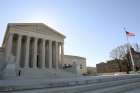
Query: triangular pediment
point(37, 28)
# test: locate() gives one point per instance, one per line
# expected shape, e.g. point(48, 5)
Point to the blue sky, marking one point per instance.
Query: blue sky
point(92, 27)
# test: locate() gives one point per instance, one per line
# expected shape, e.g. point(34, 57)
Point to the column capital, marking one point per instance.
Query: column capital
point(62, 43)
point(50, 41)
point(28, 37)
point(11, 33)
point(56, 43)
point(20, 36)
point(35, 39)
point(44, 39)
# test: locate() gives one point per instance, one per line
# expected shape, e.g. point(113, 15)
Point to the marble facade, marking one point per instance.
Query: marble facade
point(33, 46)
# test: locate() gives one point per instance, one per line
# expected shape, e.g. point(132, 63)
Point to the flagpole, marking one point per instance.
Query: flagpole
point(131, 56)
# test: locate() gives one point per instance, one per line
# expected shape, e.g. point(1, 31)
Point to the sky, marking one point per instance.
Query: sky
point(92, 27)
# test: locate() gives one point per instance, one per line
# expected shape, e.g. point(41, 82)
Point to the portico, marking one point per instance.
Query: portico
point(34, 46)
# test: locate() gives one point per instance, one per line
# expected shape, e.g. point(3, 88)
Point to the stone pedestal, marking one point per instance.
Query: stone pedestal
point(76, 68)
point(10, 71)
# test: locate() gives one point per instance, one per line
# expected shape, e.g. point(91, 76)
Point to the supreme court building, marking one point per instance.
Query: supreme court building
point(33, 46)
point(34, 50)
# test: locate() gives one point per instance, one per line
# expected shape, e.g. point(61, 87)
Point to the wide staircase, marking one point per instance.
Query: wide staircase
point(45, 74)
point(99, 84)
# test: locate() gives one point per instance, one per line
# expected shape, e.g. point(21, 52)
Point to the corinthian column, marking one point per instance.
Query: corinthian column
point(27, 52)
point(18, 50)
point(62, 54)
point(59, 64)
point(9, 46)
point(43, 54)
point(56, 59)
point(50, 54)
point(35, 53)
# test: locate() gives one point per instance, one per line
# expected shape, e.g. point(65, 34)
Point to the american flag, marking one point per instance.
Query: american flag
point(129, 33)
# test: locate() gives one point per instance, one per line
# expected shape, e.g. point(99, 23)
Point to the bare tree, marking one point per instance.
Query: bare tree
point(136, 47)
point(121, 53)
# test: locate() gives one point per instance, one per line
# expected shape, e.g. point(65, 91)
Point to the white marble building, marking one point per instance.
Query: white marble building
point(32, 49)
point(75, 64)
point(33, 46)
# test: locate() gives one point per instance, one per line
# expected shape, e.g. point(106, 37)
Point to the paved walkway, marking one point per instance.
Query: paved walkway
point(133, 91)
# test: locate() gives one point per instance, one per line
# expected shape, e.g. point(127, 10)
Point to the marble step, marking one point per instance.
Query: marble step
point(68, 86)
point(98, 88)
point(117, 89)
point(82, 89)
point(43, 73)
